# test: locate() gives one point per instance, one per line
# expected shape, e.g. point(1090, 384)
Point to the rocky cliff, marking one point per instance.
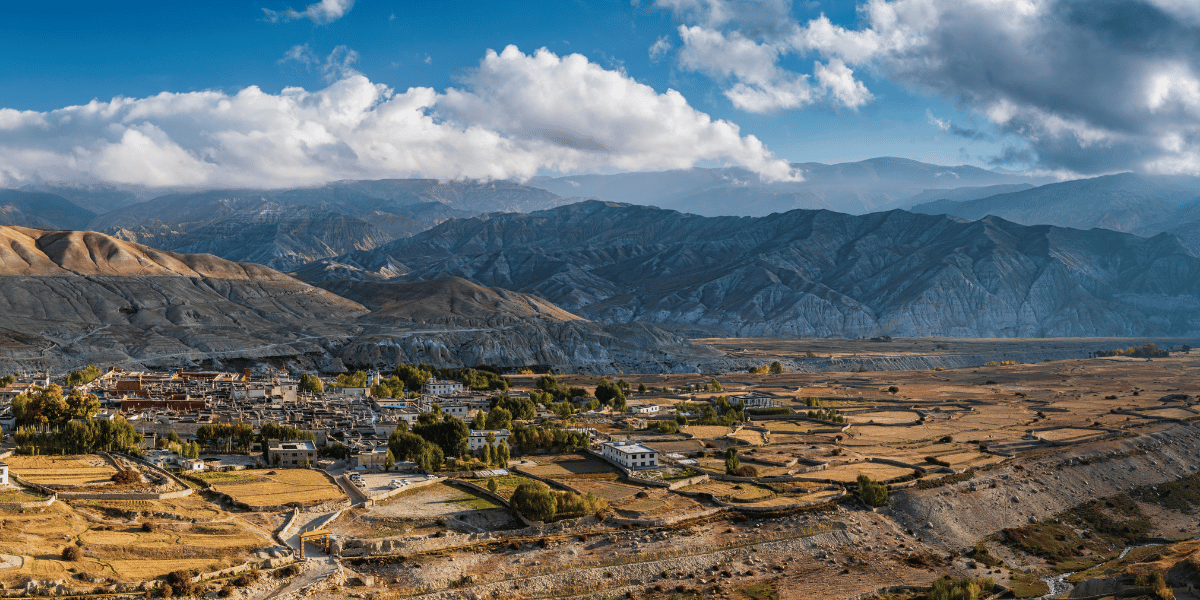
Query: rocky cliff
point(809, 273)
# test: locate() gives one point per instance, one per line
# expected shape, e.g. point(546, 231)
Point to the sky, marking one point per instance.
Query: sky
point(277, 93)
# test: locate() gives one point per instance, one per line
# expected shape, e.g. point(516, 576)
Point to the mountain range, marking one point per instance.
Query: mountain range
point(807, 273)
point(855, 188)
point(71, 298)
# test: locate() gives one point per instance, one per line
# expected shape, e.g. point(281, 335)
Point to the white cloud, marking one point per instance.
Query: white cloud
point(660, 48)
point(1092, 87)
point(514, 115)
point(839, 80)
point(936, 122)
point(325, 11)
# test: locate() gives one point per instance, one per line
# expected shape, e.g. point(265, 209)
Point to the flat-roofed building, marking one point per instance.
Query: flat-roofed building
point(293, 454)
point(630, 455)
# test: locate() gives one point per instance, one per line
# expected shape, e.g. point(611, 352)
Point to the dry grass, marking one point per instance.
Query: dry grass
point(850, 472)
point(739, 492)
point(707, 432)
point(609, 490)
point(62, 471)
point(260, 488)
point(569, 466)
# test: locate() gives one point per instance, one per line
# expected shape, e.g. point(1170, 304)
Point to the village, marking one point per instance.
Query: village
point(263, 484)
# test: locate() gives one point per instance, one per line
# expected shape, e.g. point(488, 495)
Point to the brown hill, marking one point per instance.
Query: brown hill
point(37, 252)
point(446, 298)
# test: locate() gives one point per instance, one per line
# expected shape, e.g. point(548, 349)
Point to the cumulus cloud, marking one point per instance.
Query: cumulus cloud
point(514, 115)
point(323, 12)
point(1090, 86)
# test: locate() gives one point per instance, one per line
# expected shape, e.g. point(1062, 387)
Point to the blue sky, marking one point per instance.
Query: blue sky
point(752, 63)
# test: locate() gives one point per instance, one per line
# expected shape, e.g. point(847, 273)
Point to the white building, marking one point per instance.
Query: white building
point(191, 464)
point(442, 387)
point(645, 409)
point(478, 438)
point(630, 454)
point(3, 473)
point(755, 400)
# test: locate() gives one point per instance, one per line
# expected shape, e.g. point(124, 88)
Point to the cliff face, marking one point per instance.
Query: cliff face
point(809, 273)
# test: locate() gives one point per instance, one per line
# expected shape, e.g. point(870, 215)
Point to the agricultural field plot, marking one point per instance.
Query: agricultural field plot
point(568, 465)
point(505, 486)
point(187, 508)
point(884, 417)
point(261, 487)
point(14, 494)
point(754, 438)
point(966, 460)
point(656, 504)
point(791, 426)
point(427, 510)
point(62, 471)
point(685, 447)
point(732, 492)
point(609, 490)
point(850, 472)
point(1168, 413)
point(1069, 434)
point(707, 432)
point(117, 553)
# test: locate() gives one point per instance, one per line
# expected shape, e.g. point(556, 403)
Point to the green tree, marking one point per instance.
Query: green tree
point(174, 437)
point(492, 486)
point(872, 492)
point(607, 391)
point(404, 445)
point(731, 461)
point(503, 455)
point(499, 418)
point(429, 457)
point(80, 406)
point(85, 375)
point(715, 385)
point(641, 388)
point(534, 501)
point(450, 434)
point(8, 380)
point(311, 384)
point(485, 454)
point(776, 368)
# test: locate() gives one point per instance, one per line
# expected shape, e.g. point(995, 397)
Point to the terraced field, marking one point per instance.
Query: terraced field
point(62, 471)
point(262, 487)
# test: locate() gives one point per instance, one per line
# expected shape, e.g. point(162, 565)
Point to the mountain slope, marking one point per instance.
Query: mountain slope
point(858, 187)
point(70, 298)
point(287, 228)
point(809, 273)
point(39, 209)
point(1124, 202)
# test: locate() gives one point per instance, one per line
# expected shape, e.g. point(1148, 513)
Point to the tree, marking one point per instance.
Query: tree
point(499, 418)
point(486, 454)
point(479, 422)
point(641, 388)
point(492, 486)
point(534, 501)
point(731, 461)
point(715, 385)
point(82, 407)
point(450, 434)
point(893, 389)
point(607, 391)
point(776, 368)
point(404, 445)
point(389, 461)
point(85, 375)
point(429, 457)
point(872, 492)
point(680, 420)
point(502, 455)
point(311, 384)
point(8, 380)
point(174, 437)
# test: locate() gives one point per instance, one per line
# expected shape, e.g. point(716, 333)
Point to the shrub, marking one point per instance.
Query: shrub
point(148, 527)
point(181, 583)
point(127, 476)
point(961, 589)
point(872, 492)
point(534, 501)
point(225, 591)
point(936, 461)
point(72, 553)
point(290, 571)
point(166, 591)
point(745, 471)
